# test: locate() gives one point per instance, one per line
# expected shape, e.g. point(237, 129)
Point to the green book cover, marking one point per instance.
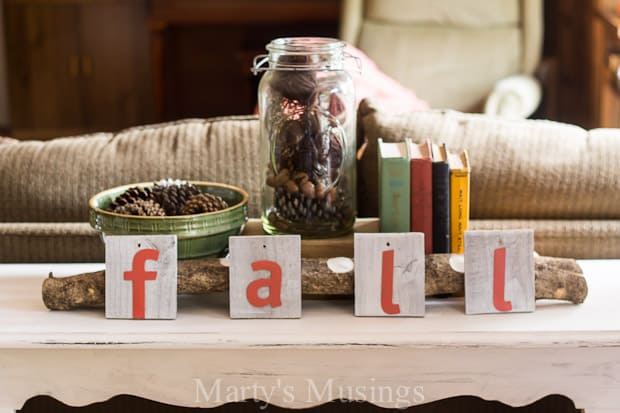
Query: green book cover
point(394, 186)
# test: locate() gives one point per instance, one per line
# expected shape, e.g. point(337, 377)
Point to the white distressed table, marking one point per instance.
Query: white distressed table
point(206, 359)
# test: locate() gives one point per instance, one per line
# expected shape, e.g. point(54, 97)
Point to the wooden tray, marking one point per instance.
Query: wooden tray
point(323, 248)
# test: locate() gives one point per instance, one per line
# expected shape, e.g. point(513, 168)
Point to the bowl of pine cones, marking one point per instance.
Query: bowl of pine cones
point(201, 214)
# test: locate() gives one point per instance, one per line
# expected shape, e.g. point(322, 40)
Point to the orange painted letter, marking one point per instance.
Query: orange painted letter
point(499, 280)
point(138, 277)
point(387, 283)
point(274, 283)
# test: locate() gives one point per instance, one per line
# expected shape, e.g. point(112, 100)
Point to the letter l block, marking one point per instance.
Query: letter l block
point(499, 271)
point(389, 274)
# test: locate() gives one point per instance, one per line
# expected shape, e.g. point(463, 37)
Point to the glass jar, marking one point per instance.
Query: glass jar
point(306, 104)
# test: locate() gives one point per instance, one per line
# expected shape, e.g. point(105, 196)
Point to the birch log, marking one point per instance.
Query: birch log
point(556, 279)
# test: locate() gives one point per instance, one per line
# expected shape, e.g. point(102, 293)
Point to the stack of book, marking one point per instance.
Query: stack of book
point(423, 188)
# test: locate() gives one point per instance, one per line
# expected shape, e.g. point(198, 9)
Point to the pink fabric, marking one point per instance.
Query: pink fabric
point(380, 88)
point(7, 140)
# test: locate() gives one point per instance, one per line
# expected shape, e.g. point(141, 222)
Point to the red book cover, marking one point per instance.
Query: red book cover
point(422, 193)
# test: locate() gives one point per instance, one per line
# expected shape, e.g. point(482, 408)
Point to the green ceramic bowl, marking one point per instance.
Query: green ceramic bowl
point(199, 235)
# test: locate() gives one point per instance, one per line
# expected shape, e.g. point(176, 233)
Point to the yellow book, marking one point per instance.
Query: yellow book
point(459, 200)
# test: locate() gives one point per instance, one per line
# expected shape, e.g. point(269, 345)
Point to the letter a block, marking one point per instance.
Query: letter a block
point(141, 277)
point(389, 274)
point(499, 272)
point(265, 276)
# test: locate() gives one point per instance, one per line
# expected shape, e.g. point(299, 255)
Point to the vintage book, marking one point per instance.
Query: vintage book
point(422, 191)
point(441, 200)
point(394, 186)
point(459, 200)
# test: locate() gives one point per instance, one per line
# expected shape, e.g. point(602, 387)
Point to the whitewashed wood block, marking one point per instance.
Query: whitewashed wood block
point(265, 276)
point(389, 274)
point(141, 276)
point(499, 271)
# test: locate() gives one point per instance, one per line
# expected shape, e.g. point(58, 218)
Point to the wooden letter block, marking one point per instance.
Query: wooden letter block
point(499, 271)
point(265, 276)
point(389, 274)
point(141, 277)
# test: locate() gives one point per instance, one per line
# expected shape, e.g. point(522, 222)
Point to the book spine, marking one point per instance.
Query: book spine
point(422, 201)
point(441, 207)
point(394, 182)
point(459, 209)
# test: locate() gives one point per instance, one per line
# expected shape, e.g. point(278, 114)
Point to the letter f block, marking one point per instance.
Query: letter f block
point(141, 277)
point(499, 271)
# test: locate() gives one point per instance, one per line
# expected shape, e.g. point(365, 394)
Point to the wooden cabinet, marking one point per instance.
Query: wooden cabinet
point(582, 40)
point(76, 66)
point(567, 47)
point(43, 62)
point(79, 66)
point(115, 66)
point(606, 66)
point(202, 50)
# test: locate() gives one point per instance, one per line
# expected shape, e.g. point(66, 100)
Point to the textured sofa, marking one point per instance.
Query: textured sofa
point(558, 179)
point(45, 186)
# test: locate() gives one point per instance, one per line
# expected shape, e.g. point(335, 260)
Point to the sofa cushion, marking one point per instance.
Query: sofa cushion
point(78, 242)
point(587, 239)
point(52, 181)
point(50, 242)
point(520, 169)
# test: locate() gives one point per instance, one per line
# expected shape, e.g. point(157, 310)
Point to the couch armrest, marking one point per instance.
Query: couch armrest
point(514, 97)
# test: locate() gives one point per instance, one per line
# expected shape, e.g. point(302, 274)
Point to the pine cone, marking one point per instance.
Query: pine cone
point(141, 207)
point(200, 203)
point(130, 196)
point(173, 195)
